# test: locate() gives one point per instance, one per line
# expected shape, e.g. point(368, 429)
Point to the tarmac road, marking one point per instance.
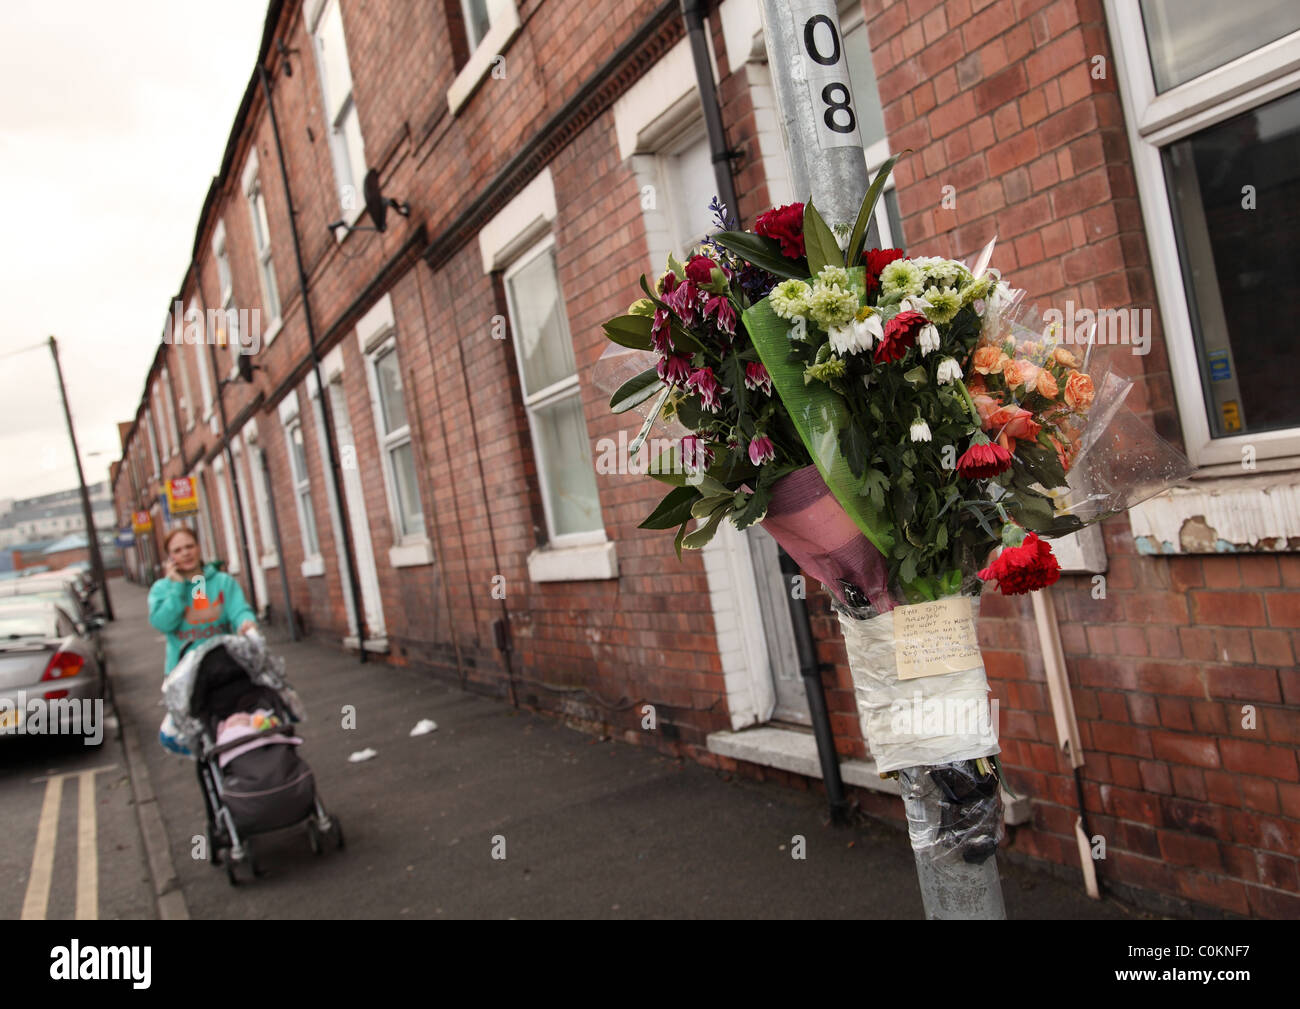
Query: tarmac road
point(588, 829)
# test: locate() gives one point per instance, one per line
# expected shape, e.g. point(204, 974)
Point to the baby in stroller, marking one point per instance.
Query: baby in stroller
point(230, 708)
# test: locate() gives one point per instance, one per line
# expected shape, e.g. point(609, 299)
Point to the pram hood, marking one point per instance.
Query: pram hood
point(252, 655)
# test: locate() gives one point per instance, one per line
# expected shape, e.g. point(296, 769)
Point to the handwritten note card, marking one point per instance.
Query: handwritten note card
point(935, 638)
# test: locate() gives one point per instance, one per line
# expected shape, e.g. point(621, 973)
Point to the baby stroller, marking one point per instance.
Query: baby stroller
point(230, 708)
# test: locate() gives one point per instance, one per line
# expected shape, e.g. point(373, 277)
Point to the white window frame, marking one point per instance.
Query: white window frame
point(227, 516)
point(173, 426)
point(335, 109)
point(260, 220)
point(1153, 122)
point(261, 497)
point(377, 335)
point(177, 340)
point(206, 383)
point(153, 444)
point(566, 388)
point(503, 19)
point(229, 321)
point(313, 564)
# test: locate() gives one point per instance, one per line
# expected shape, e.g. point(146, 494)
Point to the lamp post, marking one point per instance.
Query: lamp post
point(92, 535)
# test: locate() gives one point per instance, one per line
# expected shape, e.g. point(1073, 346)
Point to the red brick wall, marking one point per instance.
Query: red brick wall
point(997, 100)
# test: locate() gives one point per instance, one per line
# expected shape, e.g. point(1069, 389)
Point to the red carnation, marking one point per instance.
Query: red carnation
point(699, 271)
point(982, 461)
point(1024, 568)
point(785, 224)
point(899, 336)
point(877, 260)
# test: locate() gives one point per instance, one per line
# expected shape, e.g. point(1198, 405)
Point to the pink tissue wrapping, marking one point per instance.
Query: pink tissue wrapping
point(804, 517)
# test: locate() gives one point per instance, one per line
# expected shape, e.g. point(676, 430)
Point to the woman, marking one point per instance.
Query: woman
point(193, 601)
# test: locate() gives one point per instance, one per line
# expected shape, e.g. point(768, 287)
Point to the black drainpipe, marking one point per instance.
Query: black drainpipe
point(358, 604)
point(693, 13)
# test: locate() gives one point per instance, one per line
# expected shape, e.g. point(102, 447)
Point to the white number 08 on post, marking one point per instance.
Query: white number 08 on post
point(822, 66)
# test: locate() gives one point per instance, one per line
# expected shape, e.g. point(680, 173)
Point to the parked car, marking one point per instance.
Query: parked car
point(87, 621)
point(44, 658)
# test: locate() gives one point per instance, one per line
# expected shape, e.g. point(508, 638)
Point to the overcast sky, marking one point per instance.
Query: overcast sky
point(114, 121)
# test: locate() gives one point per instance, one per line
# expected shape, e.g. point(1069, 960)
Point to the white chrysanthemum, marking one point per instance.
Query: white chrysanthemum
point(928, 338)
point(842, 340)
point(868, 330)
point(834, 276)
point(949, 371)
point(790, 299)
point(831, 306)
point(901, 275)
point(920, 430)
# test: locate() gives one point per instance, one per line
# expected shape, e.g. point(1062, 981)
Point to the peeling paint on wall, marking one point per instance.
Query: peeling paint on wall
point(1234, 515)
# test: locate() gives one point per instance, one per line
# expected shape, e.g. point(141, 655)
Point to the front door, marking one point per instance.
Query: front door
point(774, 603)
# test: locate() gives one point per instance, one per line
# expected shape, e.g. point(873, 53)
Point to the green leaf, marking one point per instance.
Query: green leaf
point(702, 535)
point(630, 331)
point(635, 390)
point(907, 570)
point(755, 508)
point(673, 510)
point(858, 236)
point(856, 448)
point(765, 253)
point(705, 506)
point(876, 484)
point(916, 377)
point(819, 242)
point(677, 540)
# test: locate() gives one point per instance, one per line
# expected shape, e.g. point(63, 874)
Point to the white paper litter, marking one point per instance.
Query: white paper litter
point(361, 755)
point(424, 726)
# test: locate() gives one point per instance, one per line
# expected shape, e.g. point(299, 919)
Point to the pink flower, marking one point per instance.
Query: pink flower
point(699, 270)
point(674, 369)
point(707, 385)
point(721, 305)
point(756, 377)
point(668, 283)
point(761, 450)
point(695, 454)
point(661, 332)
point(683, 300)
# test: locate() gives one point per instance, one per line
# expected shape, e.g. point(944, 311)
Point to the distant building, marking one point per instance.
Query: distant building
point(50, 516)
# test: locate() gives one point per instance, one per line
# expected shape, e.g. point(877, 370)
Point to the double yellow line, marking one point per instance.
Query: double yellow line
point(36, 902)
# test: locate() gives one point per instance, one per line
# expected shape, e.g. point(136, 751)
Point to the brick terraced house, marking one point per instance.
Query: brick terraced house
point(1135, 156)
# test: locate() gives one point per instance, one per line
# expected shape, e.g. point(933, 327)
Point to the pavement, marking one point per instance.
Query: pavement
point(508, 814)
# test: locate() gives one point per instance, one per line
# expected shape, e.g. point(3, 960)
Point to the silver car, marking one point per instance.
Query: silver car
point(29, 591)
point(50, 681)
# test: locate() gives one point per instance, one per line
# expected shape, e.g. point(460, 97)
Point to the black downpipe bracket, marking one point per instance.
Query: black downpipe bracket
point(331, 446)
point(693, 13)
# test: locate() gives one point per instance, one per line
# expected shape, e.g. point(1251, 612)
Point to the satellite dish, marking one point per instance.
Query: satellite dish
point(376, 205)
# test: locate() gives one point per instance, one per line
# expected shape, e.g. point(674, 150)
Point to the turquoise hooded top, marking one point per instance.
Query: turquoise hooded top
point(197, 609)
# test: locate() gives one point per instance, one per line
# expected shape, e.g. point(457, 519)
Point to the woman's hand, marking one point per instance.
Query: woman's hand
point(171, 571)
point(248, 626)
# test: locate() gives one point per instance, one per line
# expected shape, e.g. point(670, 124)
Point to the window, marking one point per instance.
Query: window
point(170, 395)
point(490, 25)
point(260, 496)
point(227, 518)
point(194, 318)
point(686, 168)
point(153, 442)
point(302, 491)
point(886, 229)
point(1213, 115)
point(187, 395)
point(227, 322)
point(395, 446)
point(163, 450)
point(341, 120)
point(549, 379)
point(477, 22)
point(262, 244)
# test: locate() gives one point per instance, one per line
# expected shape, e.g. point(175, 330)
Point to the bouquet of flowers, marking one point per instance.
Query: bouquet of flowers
point(891, 421)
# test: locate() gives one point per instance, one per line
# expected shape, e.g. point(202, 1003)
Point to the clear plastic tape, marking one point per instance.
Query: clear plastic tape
point(916, 722)
point(954, 816)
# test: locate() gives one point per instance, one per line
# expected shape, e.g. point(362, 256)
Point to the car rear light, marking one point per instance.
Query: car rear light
point(63, 664)
point(54, 695)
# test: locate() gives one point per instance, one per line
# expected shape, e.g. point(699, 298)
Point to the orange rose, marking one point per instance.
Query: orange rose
point(1078, 391)
point(986, 405)
point(1047, 384)
point(1061, 455)
point(1063, 357)
point(1020, 373)
point(976, 387)
point(989, 360)
point(1014, 422)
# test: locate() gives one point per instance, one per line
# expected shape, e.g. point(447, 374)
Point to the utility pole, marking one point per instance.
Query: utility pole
point(819, 120)
point(92, 535)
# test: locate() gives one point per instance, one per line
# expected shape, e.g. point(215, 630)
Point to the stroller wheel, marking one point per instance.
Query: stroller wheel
point(230, 871)
point(313, 838)
point(337, 827)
